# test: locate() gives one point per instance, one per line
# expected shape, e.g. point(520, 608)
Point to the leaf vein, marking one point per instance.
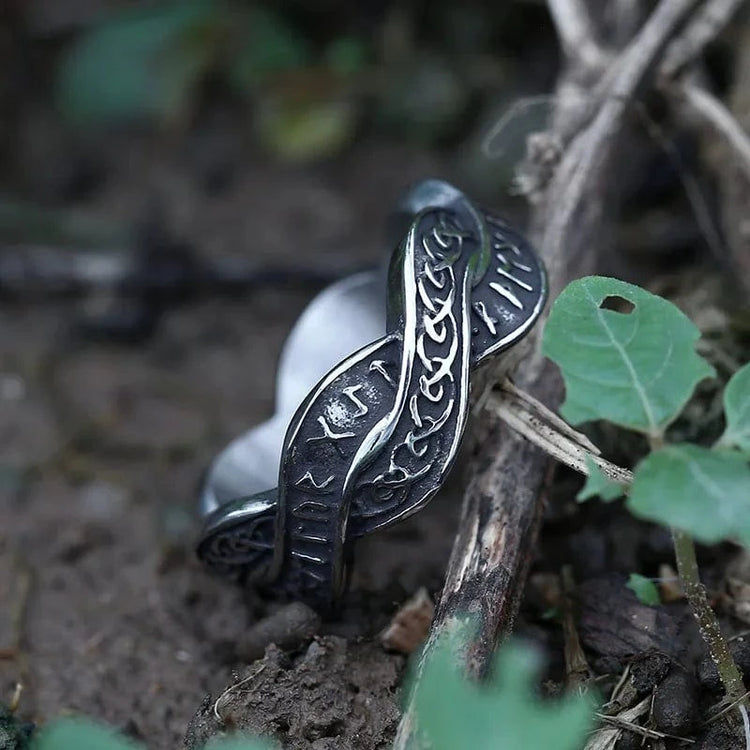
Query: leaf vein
point(628, 364)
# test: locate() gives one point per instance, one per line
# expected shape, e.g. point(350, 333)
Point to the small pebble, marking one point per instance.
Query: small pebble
point(102, 501)
point(410, 625)
point(648, 671)
point(676, 703)
point(288, 628)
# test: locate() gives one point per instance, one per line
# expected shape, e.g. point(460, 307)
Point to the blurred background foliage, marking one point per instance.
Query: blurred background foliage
point(220, 84)
point(311, 76)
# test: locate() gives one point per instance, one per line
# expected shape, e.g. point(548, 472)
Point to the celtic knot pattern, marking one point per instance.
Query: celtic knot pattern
point(374, 440)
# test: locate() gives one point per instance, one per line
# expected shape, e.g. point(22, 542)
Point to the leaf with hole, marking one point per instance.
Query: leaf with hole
point(737, 410)
point(703, 492)
point(598, 484)
point(644, 588)
point(636, 369)
point(454, 712)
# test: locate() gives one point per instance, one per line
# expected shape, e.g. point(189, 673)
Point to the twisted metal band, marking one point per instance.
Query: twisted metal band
point(374, 439)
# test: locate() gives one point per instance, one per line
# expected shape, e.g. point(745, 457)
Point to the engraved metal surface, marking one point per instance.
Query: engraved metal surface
point(375, 438)
point(318, 341)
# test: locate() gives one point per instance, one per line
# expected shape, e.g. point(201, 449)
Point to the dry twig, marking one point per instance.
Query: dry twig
point(576, 666)
point(577, 35)
point(714, 114)
point(232, 688)
point(542, 427)
point(703, 28)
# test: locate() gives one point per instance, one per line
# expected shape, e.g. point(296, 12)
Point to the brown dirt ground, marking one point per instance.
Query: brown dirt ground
point(103, 609)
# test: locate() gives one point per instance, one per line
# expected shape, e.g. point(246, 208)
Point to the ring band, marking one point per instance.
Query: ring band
point(373, 441)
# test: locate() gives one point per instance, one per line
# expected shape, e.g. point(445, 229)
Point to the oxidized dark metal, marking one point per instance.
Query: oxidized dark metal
point(374, 439)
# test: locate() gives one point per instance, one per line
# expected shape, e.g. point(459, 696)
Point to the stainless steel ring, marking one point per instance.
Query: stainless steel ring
point(372, 403)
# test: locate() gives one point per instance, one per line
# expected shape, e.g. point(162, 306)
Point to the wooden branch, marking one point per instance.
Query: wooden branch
point(582, 167)
point(502, 505)
point(577, 35)
point(693, 104)
point(703, 28)
point(717, 117)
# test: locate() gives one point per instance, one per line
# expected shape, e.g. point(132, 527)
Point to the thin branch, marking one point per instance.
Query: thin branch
point(605, 738)
point(233, 688)
point(589, 149)
point(718, 117)
point(577, 667)
point(15, 700)
point(726, 709)
point(630, 726)
point(703, 28)
point(537, 407)
point(708, 622)
point(491, 143)
point(577, 35)
point(540, 426)
point(691, 186)
point(745, 726)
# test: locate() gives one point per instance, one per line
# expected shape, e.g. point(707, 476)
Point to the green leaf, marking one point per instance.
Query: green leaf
point(302, 131)
point(456, 713)
point(636, 369)
point(737, 409)
point(80, 734)
point(238, 742)
point(598, 484)
point(703, 492)
point(644, 588)
point(140, 63)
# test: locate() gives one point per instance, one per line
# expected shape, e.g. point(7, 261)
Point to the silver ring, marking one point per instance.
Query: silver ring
point(369, 436)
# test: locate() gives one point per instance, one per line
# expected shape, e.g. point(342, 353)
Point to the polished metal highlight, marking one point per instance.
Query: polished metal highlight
point(374, 439)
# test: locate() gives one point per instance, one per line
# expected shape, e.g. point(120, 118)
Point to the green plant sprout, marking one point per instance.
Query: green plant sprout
point(638, 369)
point(83, 734)
point(455, 712)
point(644, 589)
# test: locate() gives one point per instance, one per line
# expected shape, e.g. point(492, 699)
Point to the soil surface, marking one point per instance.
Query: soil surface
point(336, 694)
point(102, 447)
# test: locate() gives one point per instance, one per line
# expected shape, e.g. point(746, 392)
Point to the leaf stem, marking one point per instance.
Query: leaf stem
point(708, 624)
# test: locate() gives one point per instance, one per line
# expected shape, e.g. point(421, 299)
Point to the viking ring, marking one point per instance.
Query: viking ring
point(375, 432)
